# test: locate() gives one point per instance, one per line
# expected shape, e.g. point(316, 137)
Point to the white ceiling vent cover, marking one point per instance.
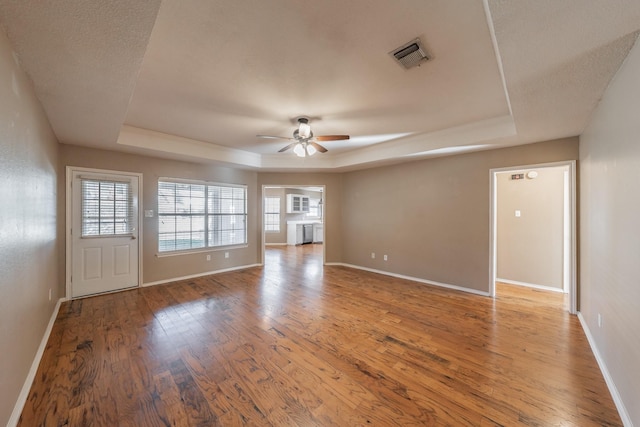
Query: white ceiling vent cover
point(410, 55)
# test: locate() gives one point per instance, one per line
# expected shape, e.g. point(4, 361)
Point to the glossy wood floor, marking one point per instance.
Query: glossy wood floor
point(298, 344)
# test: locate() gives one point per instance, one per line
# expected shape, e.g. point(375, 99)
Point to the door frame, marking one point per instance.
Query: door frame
point(493, 226)
point(301, 186)
point(70, 170)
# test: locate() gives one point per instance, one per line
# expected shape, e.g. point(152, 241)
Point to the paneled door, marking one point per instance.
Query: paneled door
point(104, 232)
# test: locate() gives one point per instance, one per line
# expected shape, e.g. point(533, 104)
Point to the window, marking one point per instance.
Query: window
point(227, 219)
point(107, 207)
point(314, 208)
point(193, 216)
point(272, 214)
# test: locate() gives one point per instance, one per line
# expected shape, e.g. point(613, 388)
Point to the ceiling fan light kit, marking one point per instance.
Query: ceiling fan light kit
point(304, 149)
point(303, 144)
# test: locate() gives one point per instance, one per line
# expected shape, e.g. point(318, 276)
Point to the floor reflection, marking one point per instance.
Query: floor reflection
point(291, 266)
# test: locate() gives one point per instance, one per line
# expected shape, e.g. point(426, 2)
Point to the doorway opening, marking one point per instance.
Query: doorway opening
point(293, 218)
point(533, 229)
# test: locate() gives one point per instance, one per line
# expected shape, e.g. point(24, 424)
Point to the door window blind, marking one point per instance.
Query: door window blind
point(107, 207)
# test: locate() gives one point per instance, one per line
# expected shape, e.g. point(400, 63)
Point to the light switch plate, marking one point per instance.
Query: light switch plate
point(148, 213)
point(518, 214)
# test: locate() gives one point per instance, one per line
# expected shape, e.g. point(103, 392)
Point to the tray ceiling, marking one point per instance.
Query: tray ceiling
point(199, 80)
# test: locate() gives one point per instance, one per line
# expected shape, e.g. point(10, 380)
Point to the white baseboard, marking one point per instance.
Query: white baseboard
point(207, 273)
point(275, 244)
point(413, 279)
point(622, 411)
point(531, 285)
point(26, 387)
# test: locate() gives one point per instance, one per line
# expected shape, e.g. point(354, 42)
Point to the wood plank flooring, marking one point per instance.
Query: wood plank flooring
point(299, 344)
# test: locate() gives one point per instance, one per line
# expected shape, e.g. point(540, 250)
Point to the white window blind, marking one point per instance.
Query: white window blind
point(203, 215)
point(227, 223)
point(181, 213)
point(107, 207)
point(314, 208)
point(272, 214)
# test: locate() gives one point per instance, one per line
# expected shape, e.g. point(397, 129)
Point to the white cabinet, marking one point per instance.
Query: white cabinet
point(301, 232)
point(318, 233)
point(297, 203)
point(294, 234)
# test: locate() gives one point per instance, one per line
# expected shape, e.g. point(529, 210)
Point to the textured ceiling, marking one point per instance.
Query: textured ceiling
point(198, 79)
point(83, 58)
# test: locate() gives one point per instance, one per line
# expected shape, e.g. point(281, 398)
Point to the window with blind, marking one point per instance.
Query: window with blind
point(107, 208)
point(314, 208)
point(203, 215)
point(272, 214)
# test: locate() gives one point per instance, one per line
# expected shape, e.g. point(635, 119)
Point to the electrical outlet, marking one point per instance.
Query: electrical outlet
point(599, 320)
point(373, 255)
point(208, 257)
point(226, 254)
point(385, 257)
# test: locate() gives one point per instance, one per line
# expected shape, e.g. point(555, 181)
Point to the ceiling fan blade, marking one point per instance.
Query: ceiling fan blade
point(287, 147)
point(286, 138)
point(318, 147)
point(332, 137)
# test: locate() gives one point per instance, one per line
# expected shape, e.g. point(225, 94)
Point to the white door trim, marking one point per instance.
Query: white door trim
point(68, 210)
point(571, 164)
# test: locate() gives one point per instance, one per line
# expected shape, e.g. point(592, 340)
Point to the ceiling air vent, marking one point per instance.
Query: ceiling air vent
point(410, 55)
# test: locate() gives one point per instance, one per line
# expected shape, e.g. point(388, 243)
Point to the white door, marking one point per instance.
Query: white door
point(104, 232)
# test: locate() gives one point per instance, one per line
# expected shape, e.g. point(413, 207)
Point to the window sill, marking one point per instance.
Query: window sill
point(199, 251)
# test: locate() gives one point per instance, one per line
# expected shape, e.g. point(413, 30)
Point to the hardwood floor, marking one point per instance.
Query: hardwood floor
point(294, 343)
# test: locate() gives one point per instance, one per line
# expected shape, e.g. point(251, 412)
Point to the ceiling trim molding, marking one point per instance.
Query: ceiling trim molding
point(421, 145)
point(157, 141)
point(494, 41)
point(467, 137)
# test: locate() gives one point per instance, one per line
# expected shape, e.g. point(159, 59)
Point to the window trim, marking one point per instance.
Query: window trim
point(206, 248)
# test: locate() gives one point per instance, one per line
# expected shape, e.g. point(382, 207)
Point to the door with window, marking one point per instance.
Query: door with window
point(104, 232)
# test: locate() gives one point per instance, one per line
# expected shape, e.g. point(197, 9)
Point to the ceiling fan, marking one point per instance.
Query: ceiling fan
point(304, 144)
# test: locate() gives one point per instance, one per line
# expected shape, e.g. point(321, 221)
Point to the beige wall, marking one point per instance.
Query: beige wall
point(332, 203)
point(431, 217)
point(610, 236)
point(167, 267)
point(530, 247)
point(29, 242)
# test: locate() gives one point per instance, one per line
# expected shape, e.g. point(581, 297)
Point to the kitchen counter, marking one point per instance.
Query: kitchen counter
point(296, 234)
